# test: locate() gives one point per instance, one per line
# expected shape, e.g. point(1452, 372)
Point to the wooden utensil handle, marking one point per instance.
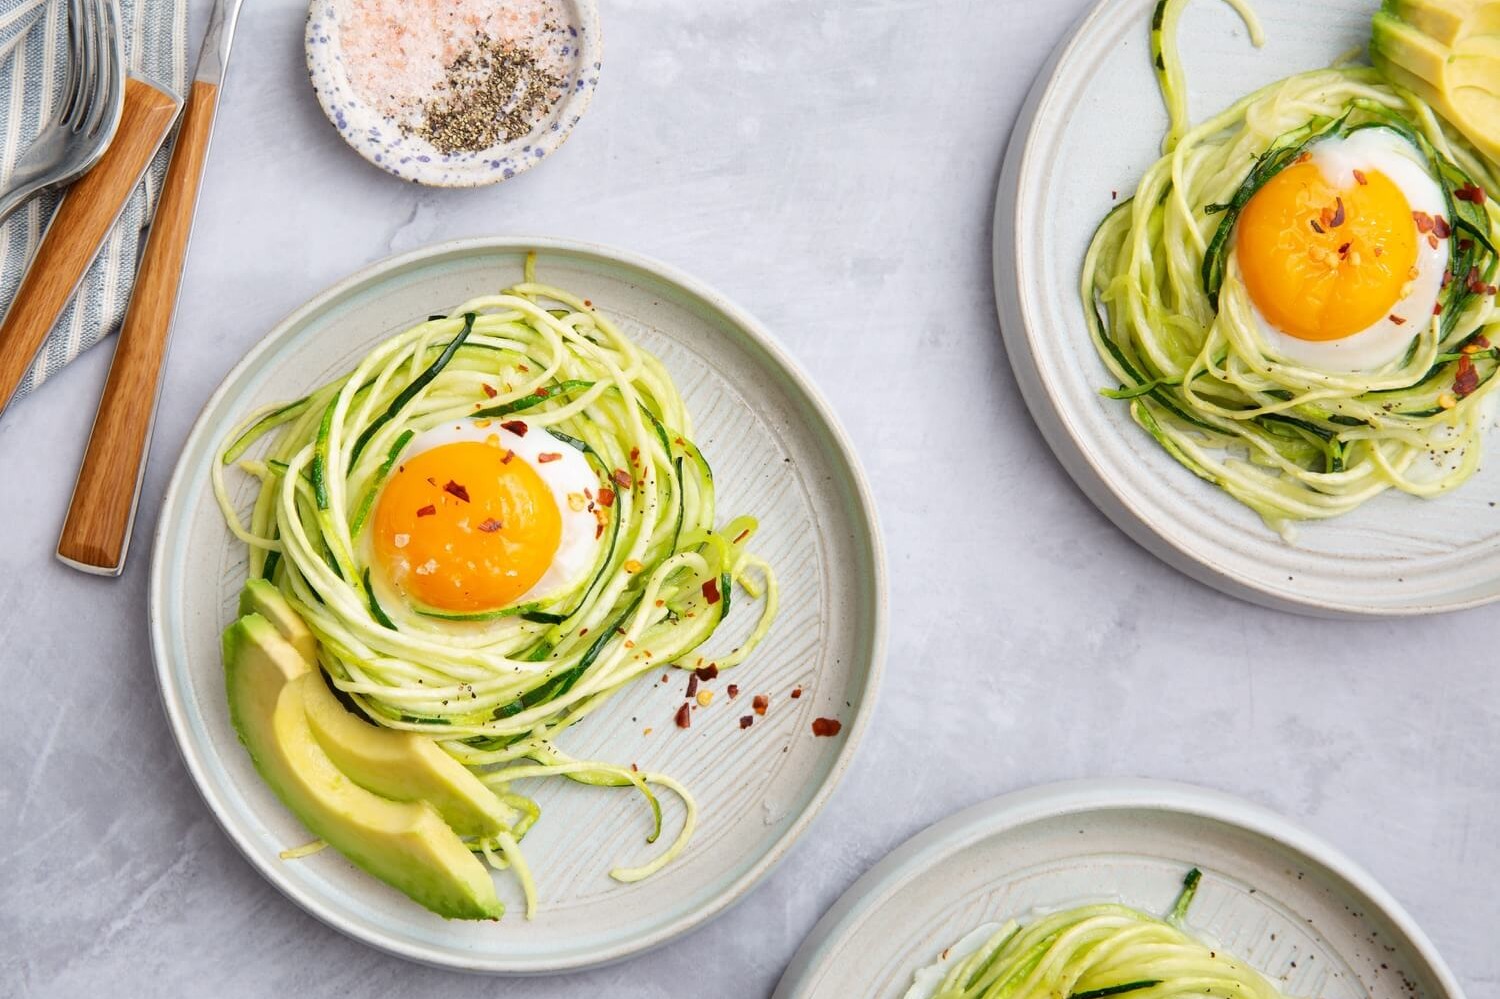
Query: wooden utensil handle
point(78, 229)
point(97, 530)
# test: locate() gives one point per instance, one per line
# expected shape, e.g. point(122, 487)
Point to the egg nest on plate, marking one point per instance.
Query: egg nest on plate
point(491, 524)
point(1298, 302)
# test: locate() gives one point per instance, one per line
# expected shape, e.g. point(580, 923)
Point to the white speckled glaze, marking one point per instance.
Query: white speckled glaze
point(1293, 906)
point(410, 157)
point(1096, 108)
point(776, 452)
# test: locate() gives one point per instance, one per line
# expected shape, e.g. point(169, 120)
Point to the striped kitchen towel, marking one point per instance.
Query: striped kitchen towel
point(33, 64)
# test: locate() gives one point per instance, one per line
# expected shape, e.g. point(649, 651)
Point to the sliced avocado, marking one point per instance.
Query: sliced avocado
point(1447, 52)
point(262, 597)
point(405, 844)
point(402, 766)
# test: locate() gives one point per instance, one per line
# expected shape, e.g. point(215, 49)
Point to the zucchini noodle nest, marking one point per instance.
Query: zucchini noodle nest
point(496, 690)
point(1176, 329)
point(1095, 951)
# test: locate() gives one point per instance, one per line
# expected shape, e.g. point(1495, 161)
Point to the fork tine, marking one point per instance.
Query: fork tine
point(89, 86)
point(111, 63)
point(69, 104)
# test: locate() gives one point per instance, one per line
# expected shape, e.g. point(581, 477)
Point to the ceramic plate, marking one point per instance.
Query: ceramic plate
point(566, 41)
point(776, 452)
point(1091, 126)
point(1291, 905)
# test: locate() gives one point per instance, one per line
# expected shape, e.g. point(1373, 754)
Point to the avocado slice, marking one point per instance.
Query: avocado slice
point(402, 766)
point(405, 844)
point(1447, 52)
point(262, 597)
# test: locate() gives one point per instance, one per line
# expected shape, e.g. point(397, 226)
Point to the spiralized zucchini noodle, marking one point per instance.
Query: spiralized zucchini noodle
point(1095, 951)
point(497, 690)
point(1178, 333)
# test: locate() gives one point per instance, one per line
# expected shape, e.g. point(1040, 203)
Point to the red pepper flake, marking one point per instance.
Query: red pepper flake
point(826, 726)
point(1315, 227)
point(635, 455)
point(427, 511)
point(1437, 309)
point(490, 526)
point(1465, 245)
point(622, 478)
point(1440, 227)
point(760, 704)
point(454, 489)
point(1482, 341)
point(1398, 320)
point(489, 390)
point(634, 768)
point(1304, 157)
point(1432, 240)
point(1467, 379)
point(515, 426)
point(706, 673)
point(711, 590)
point(692, 685)
point(742, 536)
point(796, 692)
point(733, 690)
point(432, 482)
point(598, 530)
point(1344, 249)
point(1338, 215)
point(746, 721)
point(1359, 176)
point(606, 496)
point(1475, 282)
point(684, 717)
point(547, 456)
point(1423, 220)
point(542, 393)
point(1470, 192)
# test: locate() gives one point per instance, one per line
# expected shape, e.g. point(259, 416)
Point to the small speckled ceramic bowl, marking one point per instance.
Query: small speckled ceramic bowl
point(568, 42)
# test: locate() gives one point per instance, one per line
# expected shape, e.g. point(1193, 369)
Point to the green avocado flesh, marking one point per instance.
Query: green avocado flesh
point(402, 766)
point(403, 843)
point(1447, 52)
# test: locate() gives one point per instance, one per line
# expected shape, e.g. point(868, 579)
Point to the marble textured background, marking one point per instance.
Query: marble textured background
point(832, 168)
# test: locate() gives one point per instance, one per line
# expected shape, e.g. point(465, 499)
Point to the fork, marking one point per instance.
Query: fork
point(88, 113)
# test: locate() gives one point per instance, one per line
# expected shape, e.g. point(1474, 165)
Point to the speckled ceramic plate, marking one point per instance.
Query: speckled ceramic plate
point(776, 451)
point(1290, 904)
point(568, 38)
point(1089, 129)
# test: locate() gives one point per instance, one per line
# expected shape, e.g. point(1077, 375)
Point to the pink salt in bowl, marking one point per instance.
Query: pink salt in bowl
point(454, 93)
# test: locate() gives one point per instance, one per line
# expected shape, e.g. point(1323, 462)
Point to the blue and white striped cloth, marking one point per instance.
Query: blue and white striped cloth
point(33, 64)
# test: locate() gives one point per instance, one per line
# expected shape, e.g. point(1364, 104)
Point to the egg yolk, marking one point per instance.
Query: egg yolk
point(1321, 261)
point(466, 526)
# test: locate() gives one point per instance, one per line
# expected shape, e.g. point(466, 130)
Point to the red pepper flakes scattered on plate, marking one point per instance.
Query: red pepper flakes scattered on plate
point(826, 726)
point(760, 704)
point(684, 717)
